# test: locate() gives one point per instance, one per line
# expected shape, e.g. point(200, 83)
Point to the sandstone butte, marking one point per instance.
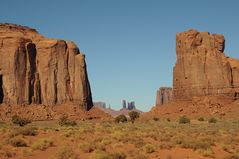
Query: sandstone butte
point(205, 81)
point(164, 96)
point(202, 69)
point(39, 70)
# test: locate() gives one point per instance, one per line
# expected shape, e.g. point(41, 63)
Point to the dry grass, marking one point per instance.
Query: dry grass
point(103, 140)
point(42, 144)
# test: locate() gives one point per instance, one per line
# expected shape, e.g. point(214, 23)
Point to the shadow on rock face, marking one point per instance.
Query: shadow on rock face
point(1, 89)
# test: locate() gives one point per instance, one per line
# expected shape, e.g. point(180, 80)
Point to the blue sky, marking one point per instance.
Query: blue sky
point(129, 44)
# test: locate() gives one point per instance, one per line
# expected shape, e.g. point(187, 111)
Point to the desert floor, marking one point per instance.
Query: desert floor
point(94, 139)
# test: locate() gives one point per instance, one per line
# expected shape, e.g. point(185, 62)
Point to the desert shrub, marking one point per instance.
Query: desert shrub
point(42, 144)
point(212, 120)
point(168, 119)
point(87, 147)
point(65, 121)
point(121, 119)
point(227, 147)
point(232, 157)
point(148, 148)
point(17, 142)
point(26, 152)
point(206, 152)
point(138, 143)
point(155, 118)
point(7, 154)
point(165, 146)
point(26, 131)
point(100, 155)
point(66, 152)
point(184, 120)
point(117, 155)
point(20, 121)
point(100, 146)
point(133, 115)
point(195, 145)
point(201, 119)
point(2, 122)
point(141, 156)
point(30, 131)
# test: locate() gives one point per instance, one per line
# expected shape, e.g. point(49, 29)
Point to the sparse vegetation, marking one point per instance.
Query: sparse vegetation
point(143, 139)
point(212, 120)
point(66, 152)
point(20, 121)
point(207, 152)
point(133, 116)
point(87, 147)
point(155, 118)
point(117, 155)
point(148, 148)
point(121, 119)
point(184, 120)
point(232, 157)
point(100, 155)
point(17, 142)
point(201, 119)
point(26, 131)
point(65, 121)
point(42, 144)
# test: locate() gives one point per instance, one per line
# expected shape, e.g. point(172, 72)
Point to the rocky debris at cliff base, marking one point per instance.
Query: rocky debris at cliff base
point(220, 107)
point(42, 112)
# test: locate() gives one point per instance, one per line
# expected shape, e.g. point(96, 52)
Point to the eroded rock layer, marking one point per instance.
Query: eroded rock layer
point(39, 70)
point(202, 68)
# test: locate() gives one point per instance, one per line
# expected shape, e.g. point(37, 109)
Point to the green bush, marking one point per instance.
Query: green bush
point(133, 115)
point(184, 120)
point(65, 121)
point(212, 120)
point(121, 119)
point(201, 119)
point(20, 121)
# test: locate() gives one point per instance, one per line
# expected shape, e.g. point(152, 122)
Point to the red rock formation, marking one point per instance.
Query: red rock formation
point(202, 68)
point(38, 70)
point(164, 96)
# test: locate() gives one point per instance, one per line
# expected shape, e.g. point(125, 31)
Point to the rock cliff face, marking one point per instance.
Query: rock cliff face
point(202, 68)
point(164, 96)
point(38, 70)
